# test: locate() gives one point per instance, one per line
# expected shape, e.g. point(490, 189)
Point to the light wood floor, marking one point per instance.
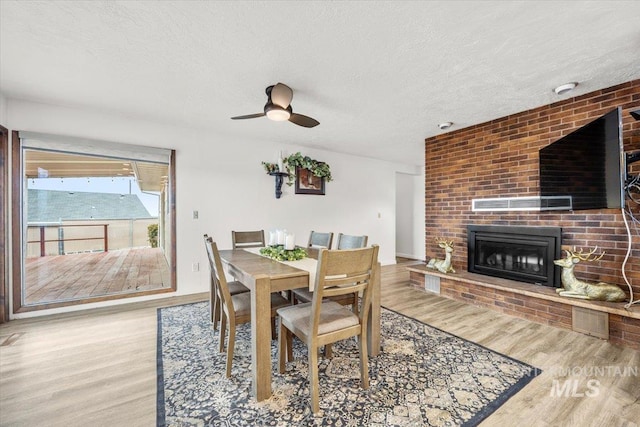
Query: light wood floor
point(85, 275)
point(98, 367)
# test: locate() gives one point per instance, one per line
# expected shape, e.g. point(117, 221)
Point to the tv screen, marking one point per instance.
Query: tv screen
point(587, 165)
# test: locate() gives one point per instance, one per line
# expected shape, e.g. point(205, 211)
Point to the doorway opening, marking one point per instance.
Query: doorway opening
point(93, 226)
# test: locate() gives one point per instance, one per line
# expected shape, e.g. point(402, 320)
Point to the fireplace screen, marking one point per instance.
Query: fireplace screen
point(524, 254)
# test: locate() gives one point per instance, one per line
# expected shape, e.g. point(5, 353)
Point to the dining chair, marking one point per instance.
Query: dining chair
point(236, 309)
point(322, 322)
point(235, 288)
point(247, 239)
point(253, 239)
point(320, 240)
point(346, 241)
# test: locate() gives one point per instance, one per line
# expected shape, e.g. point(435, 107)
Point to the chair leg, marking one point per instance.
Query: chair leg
point(215, 315)
point(230, 346)
point(289, 346)
point(223, 330)
point(283, 347)
point(288, 295)
point(313, 379)
point(212, 306)
point(355, 307)
point(274, 334)
point(364, 359)
point(328, 352)
point(215, 305)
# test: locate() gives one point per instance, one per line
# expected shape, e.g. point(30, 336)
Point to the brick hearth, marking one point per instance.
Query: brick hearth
point(539, 304)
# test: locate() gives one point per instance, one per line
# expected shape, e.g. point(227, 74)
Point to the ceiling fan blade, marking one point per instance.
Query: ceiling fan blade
point(302, 120)
point(281, 95)
point(248, 116)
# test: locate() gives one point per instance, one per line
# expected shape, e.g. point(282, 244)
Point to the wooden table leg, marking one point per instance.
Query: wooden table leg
point(373, 335)
point(261, 338)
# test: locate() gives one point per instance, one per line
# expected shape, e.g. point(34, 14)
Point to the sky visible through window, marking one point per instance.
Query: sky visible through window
point(117, 185)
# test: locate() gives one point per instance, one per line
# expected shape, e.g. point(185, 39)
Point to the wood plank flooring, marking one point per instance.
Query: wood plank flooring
point(98, 367)
point(85, 275)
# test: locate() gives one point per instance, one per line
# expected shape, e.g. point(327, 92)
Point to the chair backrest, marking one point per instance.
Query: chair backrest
point(217, 275)
point(247, 239)
point(341, 272)
point(346, 241)
point(320, 240)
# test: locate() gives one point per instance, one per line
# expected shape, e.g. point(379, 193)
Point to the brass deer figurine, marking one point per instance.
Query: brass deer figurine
point(576, 288)
point(443, 265)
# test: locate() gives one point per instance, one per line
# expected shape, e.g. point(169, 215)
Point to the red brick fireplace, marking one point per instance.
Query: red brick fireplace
point(500, 159)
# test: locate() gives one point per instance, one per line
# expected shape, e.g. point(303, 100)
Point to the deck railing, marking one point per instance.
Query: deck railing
point(43, 240)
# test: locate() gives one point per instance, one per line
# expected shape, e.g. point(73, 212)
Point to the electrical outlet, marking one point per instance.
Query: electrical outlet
point(195, 267)
point(195, 214)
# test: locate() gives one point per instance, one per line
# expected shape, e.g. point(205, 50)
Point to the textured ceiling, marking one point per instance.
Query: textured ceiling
point(379, 76)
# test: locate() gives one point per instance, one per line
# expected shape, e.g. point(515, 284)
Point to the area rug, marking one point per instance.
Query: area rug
point(423, 377)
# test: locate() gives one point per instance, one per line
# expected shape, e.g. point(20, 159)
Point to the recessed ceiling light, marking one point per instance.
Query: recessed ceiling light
point(567, 87)
point(445, 125)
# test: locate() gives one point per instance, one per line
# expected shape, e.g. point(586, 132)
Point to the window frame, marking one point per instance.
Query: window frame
point(17, 203)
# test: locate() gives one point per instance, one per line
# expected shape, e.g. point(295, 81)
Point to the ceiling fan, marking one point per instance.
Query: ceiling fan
point(278, 108)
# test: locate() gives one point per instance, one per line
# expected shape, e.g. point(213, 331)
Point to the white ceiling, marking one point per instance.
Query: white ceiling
point(379, 76)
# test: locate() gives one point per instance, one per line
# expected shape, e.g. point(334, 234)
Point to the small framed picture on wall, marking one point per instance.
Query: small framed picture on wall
point(308, 183)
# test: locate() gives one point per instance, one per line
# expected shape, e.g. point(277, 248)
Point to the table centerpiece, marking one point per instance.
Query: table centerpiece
point(279, 253)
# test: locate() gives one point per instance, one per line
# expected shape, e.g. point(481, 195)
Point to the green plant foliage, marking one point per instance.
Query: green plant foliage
point(279, 253)
point(297, 160)
point(152, 232)
point(270, 167)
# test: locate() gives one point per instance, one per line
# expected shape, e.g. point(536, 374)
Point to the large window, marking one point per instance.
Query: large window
point(96, 219)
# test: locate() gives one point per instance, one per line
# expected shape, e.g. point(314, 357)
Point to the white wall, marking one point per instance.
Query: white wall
point(410, 215)
point(3, 110)
point(223, 179)
point(419, 215)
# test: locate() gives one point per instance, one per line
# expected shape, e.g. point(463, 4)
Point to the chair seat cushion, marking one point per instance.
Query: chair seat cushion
point(236, 287)
point(333, 317)
point(242, 303)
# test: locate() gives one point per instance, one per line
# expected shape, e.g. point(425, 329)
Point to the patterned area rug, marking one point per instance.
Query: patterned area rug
point(423, 377)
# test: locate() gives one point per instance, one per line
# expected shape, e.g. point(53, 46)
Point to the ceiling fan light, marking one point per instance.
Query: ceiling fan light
point(278, 114)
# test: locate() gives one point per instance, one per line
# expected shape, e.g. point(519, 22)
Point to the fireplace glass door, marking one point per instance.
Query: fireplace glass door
point(524, 254)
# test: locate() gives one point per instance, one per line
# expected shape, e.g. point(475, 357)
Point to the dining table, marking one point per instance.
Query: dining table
point(263, 276)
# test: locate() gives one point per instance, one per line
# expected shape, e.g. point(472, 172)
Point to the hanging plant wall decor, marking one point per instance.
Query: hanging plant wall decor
point(297, 160)
point(309, 175)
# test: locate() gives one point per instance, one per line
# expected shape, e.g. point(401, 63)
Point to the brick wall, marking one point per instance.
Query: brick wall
point(500, 159)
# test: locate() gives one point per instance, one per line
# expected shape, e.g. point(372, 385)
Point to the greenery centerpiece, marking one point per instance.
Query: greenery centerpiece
point(279, 253)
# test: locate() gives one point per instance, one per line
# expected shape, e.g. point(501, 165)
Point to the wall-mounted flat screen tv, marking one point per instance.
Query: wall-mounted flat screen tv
point(587, 165)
